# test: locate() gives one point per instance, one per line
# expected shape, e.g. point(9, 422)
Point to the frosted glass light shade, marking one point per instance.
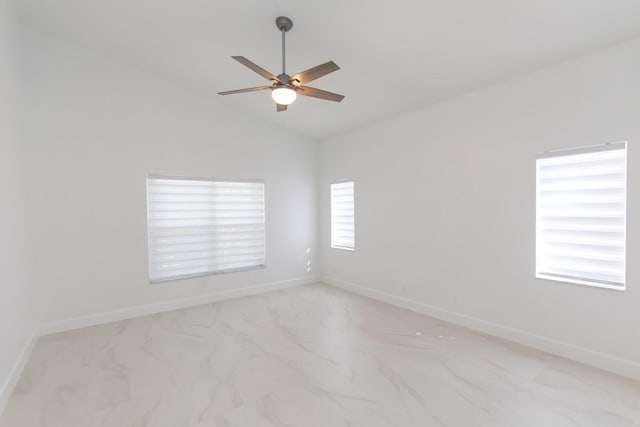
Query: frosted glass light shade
point(283, 95)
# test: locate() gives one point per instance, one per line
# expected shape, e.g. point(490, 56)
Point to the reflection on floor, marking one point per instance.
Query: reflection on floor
point(311, 356)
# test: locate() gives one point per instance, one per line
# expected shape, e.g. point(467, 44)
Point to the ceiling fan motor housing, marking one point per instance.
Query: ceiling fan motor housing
point(286, 80)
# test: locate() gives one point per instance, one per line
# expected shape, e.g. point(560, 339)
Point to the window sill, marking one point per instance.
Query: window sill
point(207, 274)
point(581, 282)
point(344, 249)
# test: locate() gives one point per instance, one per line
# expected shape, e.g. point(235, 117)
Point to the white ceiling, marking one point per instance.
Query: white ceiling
point(395, 56)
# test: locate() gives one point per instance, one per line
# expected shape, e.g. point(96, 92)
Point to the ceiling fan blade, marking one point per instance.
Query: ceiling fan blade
point(281, 107)
point(318, 93)
point(315, 72)
point(256, 68)
point(249, 89)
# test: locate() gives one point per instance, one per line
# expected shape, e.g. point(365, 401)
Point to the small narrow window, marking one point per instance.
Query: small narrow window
point(581, 215)
point(201, 226)
point(342, 216)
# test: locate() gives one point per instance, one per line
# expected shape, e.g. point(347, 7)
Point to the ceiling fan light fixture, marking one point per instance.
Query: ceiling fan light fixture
point(283, 95)
point(284, 87)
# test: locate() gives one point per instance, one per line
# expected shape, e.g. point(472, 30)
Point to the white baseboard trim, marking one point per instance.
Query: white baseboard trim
point(159, 307)
point(593, 358)
point(128, 313)
point(7, 388)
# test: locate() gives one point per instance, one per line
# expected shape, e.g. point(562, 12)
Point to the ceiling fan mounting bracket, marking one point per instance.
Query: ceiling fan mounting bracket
point(283, 23)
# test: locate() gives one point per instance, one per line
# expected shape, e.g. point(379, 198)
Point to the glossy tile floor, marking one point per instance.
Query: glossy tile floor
point(311, 356)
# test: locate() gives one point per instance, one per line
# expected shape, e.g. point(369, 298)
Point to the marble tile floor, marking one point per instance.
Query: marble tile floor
point(311, 356)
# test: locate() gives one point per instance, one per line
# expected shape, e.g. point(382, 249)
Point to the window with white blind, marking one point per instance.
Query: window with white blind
point(198, 227)
point(581, 215)
point(342, 216)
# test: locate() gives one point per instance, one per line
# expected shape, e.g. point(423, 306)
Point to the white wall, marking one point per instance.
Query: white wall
point(445, 196)
point(445, 205)
point(17, 320)
point(96, 129)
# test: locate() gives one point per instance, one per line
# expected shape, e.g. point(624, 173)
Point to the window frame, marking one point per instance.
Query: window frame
point(263, 265)
point(576, 151)
point(337, 182)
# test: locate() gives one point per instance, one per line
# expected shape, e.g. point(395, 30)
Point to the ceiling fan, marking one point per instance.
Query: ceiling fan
point(284, 87)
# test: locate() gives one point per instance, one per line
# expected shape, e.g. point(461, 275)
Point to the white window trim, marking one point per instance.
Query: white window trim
point(343, 248)
point(214, 272)
point(579, 150)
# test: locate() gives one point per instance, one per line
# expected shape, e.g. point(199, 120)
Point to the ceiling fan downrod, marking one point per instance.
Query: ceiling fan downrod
point(284, 24)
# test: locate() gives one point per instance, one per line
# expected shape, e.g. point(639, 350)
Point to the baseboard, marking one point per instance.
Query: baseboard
point(7, 388)
point(593, 358)
point(132, 312)
point(144, 310)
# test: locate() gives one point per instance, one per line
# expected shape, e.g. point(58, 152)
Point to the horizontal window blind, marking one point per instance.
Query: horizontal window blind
point(342, 215)
point(581, 215)
point(199, 227)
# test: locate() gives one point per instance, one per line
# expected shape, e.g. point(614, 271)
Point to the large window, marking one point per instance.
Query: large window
point(342, 216)
point(581, 215)
point(199, 226)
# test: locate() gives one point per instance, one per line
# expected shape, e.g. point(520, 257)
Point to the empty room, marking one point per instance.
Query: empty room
point(280, 213)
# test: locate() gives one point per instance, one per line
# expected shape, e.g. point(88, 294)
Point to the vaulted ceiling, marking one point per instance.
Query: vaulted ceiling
point(395, 56)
